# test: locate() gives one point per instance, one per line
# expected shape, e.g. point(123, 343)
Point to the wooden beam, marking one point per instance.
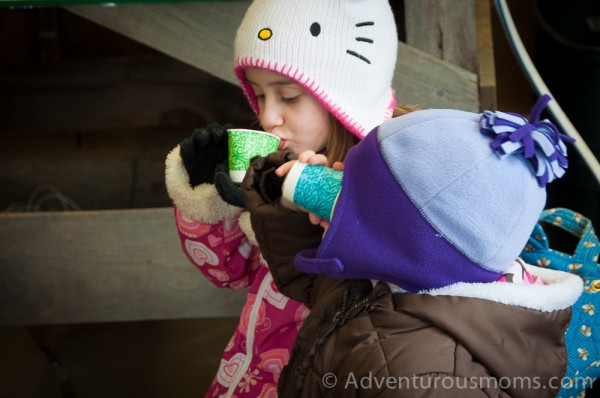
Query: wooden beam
point(101, 266)
point(423, 80)
point(485, 56)
point(443, 29)
point(202, 34)
point(460, 35)
point(115, 93)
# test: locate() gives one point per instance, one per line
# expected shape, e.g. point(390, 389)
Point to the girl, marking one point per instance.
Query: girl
point(318, 75)
point(415, 290)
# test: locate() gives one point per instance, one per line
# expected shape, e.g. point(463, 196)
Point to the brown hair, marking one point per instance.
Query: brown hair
point(341, 140)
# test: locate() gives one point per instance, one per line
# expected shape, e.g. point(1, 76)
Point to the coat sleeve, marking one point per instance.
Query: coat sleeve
point(221, 251)
point(280, 233)
point(209, 229)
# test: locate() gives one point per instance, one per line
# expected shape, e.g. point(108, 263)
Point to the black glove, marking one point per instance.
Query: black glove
point(229, 191)
point(203, 151)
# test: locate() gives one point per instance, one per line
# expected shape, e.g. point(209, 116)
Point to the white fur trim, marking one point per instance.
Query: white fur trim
point(201, 203)
point(561, 290)
point(246, 227)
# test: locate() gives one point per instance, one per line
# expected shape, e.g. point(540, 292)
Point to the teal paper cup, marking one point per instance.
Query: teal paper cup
point(244, 144)
point(313, 188)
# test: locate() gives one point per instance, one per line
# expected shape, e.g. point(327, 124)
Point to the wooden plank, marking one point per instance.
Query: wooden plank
point(111, 93)
point(460, 35)
point(202, 35)
point(101, 266)
point(436, 84)
point(485, 56)
point(92, 179)
point(444, 29)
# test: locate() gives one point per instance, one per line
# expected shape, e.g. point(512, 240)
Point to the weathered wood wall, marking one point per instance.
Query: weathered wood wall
point(190, 31)
point(437, 67)
point(125, 92)
point(119, 265)
point(99, 129)
point(448, 33)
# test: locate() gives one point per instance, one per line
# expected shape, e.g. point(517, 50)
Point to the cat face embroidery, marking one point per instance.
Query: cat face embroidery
point(363, 35)
point(315, 30)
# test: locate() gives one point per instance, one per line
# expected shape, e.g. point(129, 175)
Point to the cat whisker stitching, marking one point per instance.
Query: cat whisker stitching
point(362, 39)
point(357, 55)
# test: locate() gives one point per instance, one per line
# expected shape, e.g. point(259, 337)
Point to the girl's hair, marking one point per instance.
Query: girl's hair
point(341, 139)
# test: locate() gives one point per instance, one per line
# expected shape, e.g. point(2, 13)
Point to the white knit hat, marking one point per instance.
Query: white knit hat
point(341, 51)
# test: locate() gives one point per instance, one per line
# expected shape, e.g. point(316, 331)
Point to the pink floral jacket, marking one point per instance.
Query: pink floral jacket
point(218, 239)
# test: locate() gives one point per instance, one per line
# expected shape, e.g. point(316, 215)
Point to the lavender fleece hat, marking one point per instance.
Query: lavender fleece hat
point(437, 197)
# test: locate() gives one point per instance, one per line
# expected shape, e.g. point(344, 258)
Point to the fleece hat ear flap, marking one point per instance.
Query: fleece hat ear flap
point(431, 199)
point(341, 51)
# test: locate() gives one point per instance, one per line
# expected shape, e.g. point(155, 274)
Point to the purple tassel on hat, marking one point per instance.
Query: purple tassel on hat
point(539, 141)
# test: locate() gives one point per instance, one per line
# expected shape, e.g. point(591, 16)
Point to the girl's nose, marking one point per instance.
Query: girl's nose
point(270, 117)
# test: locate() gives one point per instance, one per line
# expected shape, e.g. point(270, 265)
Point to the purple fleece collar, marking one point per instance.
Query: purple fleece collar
point(378, 233)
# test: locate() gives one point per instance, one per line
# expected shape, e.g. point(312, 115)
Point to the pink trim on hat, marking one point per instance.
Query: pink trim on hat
point(389, 112)
point(309, 85)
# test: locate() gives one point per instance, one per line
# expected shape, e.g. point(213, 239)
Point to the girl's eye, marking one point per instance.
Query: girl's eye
point(260, 97)
point(290, 100)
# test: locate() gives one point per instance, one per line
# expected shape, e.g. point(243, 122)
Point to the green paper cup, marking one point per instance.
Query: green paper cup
point(313, 188)
point(245, 144)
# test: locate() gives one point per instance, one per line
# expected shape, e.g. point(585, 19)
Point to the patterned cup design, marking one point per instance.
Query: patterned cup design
point(245, 144)
point(314, 188)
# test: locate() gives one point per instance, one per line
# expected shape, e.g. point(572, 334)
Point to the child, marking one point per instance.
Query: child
point(418, 292)
point(318, 75)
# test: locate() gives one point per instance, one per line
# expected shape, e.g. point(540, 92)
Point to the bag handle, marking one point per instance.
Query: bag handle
point(588, 247)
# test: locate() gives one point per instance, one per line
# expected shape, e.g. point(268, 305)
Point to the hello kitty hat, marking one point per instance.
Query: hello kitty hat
point(341, 51)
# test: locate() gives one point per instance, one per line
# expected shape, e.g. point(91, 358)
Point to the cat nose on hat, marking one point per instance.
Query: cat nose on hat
point(265, 34)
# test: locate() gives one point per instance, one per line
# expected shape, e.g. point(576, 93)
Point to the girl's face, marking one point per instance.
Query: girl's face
point(290, 112)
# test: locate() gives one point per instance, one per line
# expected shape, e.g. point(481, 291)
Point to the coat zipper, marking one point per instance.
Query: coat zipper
point(341, 316)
